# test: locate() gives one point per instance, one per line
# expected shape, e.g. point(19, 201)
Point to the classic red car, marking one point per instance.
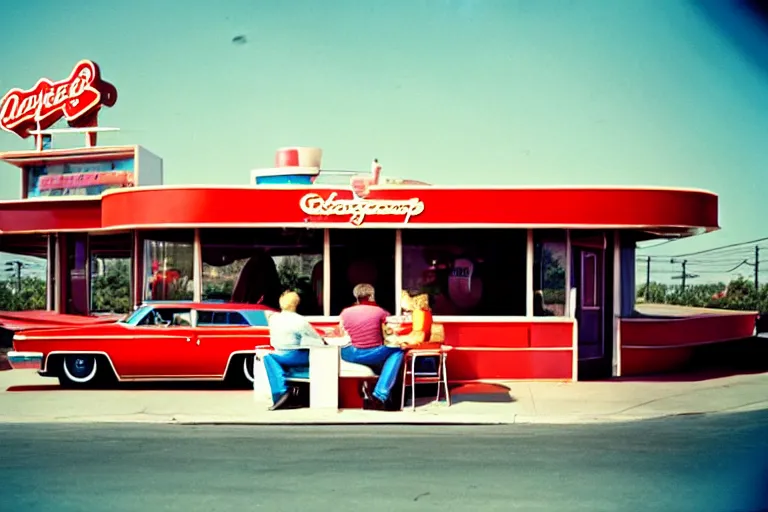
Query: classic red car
point(168, 341)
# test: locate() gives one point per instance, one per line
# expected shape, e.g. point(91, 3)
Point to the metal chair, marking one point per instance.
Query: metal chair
point(440, 377)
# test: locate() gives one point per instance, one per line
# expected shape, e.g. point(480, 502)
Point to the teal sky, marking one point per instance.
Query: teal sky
point(509, 92)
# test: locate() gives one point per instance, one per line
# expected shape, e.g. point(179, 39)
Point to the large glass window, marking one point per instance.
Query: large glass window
point(362, 256)
point(258, 265)
point(168, 261)
point(23, 267)
point(467, 272)
point(111, 273)
point(549, 262)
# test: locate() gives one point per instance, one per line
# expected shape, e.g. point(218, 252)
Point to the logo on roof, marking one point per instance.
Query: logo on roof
point(357, 209)
point(77, 98)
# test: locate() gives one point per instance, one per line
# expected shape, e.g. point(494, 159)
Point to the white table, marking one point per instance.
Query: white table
point(324, 363)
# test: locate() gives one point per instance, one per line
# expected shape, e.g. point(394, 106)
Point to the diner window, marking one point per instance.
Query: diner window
point(257, 265)
point(111, 273)
point(479, 272)
point(362, 256)
point(23, 269)
point(168, 262)
point(549, 261)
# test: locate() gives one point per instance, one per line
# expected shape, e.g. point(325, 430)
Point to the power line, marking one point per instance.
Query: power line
point(665, 242)
point(707, 251)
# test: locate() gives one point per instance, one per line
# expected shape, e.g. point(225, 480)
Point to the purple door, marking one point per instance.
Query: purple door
point(76, 274)
point(590, 301)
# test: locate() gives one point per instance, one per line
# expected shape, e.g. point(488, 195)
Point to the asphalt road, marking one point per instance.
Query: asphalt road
point(697, 463)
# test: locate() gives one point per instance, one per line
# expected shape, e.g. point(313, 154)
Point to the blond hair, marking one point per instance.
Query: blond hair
point(363, 291)
point(289, 301)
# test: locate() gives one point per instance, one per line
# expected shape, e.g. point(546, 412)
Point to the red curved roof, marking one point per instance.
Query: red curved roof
point(658, 210)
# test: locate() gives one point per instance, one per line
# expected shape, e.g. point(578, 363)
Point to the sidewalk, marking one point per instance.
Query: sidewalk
point(35, 399)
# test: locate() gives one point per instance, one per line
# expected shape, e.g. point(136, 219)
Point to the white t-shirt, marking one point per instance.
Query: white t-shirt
point(289, 330)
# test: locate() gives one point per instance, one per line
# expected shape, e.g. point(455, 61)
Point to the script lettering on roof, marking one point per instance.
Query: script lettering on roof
point(77, 99)
point(358, 209)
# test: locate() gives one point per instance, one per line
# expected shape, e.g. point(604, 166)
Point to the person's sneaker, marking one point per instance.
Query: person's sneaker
point(282, 401)
point(374, 404)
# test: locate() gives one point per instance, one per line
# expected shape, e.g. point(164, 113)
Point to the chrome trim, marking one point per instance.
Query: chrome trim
point(24, 355)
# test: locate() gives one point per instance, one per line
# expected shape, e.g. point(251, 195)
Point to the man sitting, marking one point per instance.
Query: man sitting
point(289, 332)
point(364, 323)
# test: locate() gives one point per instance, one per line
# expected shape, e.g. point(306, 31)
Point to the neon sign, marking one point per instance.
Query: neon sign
point(358, 209)
point(85, 179)
point(78, 99)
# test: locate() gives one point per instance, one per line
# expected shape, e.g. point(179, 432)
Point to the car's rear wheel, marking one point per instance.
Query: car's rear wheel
point(248, 368)
point(82, 370)
point(240, 371)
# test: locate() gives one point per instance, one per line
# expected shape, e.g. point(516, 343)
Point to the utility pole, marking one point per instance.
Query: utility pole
point(685, 262)
point(757, 267)
point(685, 275)
point(18, 264)
point(648, 279)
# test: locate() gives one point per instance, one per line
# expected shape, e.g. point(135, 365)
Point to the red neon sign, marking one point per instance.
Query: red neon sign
point(85, 179)
point(77, 99)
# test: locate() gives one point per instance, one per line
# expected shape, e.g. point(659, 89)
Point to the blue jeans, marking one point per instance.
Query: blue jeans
point(388, 359)
point(278, 366)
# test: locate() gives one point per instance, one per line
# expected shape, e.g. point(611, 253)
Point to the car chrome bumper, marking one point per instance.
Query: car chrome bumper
point(25, 360)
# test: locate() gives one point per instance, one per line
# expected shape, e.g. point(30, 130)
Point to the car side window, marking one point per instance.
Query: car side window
point(168, 317)
point(220, 319)
point(236, 318)
point(205, 318)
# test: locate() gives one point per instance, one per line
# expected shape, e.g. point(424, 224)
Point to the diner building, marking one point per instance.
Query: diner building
point(528, 282)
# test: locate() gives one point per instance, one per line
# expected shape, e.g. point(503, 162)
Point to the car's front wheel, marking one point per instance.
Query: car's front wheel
point(79, 370)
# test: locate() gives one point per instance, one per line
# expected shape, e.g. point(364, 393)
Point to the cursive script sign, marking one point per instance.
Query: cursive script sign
point(314, 204)
point(85, 179)
point(77, 98)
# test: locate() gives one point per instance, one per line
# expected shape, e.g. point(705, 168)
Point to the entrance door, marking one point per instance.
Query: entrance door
point(590, 301)
point(76, 272)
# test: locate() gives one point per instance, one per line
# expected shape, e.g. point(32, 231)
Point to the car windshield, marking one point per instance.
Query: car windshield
point(137, 315)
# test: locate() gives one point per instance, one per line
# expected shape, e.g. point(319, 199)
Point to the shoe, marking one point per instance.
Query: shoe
point(282, 401)
point(392, 405)
point(374, 404)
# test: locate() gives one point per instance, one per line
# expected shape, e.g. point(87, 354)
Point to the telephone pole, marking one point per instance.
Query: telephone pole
point(757, 267)
point(648, 279)
point(685, 262)
point(15, 265)
point(685, 275)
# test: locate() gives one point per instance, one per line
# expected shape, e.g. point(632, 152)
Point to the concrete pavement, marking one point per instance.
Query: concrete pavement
point(27, 398)
point(715, 463)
